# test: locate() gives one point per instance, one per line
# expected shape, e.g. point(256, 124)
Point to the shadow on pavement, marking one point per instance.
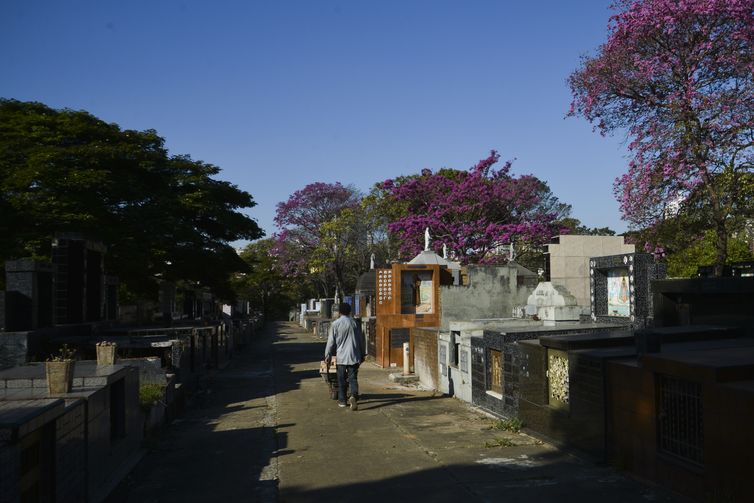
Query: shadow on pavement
point(195, 461)
point(369, 402)
point(509, 480)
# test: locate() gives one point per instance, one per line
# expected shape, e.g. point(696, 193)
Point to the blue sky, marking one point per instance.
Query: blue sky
point(280, 94)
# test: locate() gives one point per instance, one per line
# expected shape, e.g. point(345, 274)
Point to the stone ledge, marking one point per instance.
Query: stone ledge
point(405, 380)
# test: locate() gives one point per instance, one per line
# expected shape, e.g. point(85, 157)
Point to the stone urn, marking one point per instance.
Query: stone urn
point(59, 376)
point(106, 353)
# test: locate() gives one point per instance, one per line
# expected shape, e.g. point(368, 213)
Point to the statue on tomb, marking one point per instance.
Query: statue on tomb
point(371, 262)
point(426, 239)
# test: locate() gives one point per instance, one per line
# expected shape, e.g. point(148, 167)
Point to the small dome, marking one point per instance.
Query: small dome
point(428, 257)
point(366, 283)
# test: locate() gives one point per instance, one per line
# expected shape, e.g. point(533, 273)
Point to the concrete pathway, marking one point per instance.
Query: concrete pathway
point(264, 429)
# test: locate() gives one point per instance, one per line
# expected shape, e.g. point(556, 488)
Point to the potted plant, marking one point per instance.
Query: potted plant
point(59, 370)
point(106, 353)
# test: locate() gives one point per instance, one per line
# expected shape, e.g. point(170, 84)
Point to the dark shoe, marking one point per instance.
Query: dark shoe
point(341, 404)
point(353, 403)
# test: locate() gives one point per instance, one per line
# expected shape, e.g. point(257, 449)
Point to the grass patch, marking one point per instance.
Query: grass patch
point(499, 442)
point(514, 425)
point(150, 394)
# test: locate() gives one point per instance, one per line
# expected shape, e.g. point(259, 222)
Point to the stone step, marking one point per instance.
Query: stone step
point(405, 380)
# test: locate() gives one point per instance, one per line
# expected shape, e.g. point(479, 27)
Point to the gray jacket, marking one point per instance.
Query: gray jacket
point(345, 342)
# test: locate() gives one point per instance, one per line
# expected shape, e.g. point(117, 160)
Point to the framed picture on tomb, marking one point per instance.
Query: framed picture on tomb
point(618, 298)
point(417, 292)
point(620, 287)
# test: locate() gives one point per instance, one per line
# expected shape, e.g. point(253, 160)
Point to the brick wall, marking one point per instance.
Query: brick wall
point(14, 348)
point(425, 356)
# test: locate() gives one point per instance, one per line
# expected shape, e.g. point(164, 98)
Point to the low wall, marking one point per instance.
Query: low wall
point(425, 356)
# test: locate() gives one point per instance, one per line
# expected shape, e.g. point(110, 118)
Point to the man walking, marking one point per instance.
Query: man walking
point(345, 342)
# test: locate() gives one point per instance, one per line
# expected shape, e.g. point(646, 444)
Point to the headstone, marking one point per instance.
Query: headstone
point(29, 295)
point(621, 288)
point(79, 279)
point(553, 303)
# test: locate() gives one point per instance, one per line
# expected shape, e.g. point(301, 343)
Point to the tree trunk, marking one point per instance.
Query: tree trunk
point(721, 248)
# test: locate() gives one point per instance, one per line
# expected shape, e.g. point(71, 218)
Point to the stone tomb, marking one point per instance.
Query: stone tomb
point(683, 417)
point(720, 301)
point(454, 356)
point(489, 292)
point(455, 347)
point(28, 295)
point(621, 290)
point(42, 451)
point(407, 297)
point(498, 361)
point(113, 418)
point(562, 379)
point(79, 279)
point(568, 256)
point(553, 304)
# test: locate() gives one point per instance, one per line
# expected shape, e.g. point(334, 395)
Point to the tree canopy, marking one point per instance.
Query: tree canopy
point(475, 212)
point(264, 285)
point(316, 233)
point(161, 216)
point(678, 76)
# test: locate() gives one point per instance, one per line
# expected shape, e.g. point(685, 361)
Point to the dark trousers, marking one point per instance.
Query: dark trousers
point(348, 374)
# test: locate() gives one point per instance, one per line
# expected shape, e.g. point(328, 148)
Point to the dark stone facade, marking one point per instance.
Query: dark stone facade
point(516, 363)
point(581, 421)
point(79, 279)
point(711, 416)
point(29, 295)
point(641, 270)
point(723, 301)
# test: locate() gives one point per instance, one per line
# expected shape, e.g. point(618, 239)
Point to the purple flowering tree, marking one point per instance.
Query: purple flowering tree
point(303, 232)
point(475, 212)
point(678, 77)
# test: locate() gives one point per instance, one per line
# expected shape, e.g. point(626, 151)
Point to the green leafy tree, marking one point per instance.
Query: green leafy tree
point(265, 286)
point(575, 227)
point(345, 246)
point(161, 216)
point(703, 252)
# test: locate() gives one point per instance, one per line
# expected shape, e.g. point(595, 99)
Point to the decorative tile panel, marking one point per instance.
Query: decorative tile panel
point(384, 286)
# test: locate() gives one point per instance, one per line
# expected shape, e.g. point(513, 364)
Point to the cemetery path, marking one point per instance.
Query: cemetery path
point(264, 429)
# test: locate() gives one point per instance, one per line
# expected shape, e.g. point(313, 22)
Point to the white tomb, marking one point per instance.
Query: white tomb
point(553, 303)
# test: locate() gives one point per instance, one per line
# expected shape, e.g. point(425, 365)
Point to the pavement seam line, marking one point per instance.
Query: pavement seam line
point(271, 472)
point(432, 455)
